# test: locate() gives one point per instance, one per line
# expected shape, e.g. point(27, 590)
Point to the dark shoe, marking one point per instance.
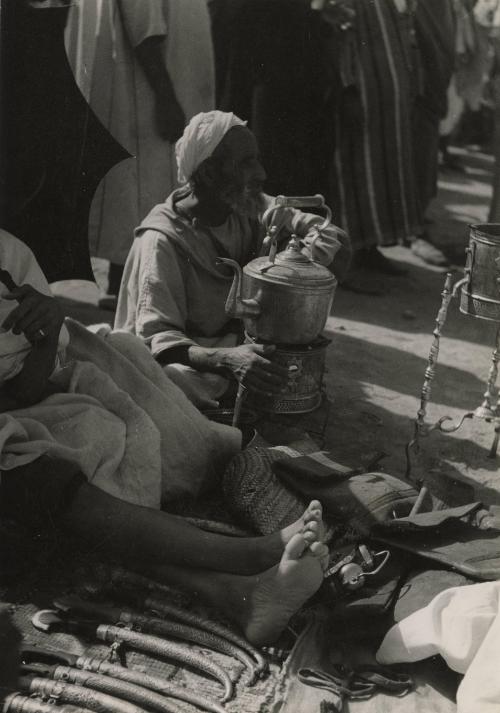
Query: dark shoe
point(373, 260)
point(424, 250)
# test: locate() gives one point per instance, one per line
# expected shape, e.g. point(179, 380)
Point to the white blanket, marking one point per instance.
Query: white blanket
point(132, 432)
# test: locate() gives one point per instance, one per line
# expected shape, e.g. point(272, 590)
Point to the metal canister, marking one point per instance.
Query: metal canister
point(302, 393)
point(480, 293)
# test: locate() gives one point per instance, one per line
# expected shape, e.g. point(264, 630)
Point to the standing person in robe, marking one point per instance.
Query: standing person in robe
point(466, 88)
point(487, 14)
point(435, 26)
point(372, 170)
point(435, 31)
point(270, 72)
point(145, 68)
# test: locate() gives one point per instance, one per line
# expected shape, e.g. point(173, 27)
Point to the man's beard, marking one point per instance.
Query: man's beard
point(246, 202)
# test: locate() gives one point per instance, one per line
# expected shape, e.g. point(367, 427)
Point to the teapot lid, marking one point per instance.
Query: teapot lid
point(292, 267)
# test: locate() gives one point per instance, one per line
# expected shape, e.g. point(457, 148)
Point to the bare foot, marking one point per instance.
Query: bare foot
point(310, 521)
point(310, 524)
point(271, 598)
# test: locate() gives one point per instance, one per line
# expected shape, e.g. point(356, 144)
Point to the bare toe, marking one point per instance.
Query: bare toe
point(313, 513)
point(318, 549)
point(321, 551)
point(311, 521)
point(295, 548)
point(310, 537)
point(313, 527)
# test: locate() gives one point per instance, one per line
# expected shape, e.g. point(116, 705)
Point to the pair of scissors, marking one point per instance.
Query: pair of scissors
point(356, 683)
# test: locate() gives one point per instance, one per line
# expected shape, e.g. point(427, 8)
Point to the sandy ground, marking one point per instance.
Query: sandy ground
point(378, 354)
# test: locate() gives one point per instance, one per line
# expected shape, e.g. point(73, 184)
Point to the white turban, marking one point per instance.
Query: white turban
point(201, 136)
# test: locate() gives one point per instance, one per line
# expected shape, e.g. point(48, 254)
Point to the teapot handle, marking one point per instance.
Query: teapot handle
point(316, 201)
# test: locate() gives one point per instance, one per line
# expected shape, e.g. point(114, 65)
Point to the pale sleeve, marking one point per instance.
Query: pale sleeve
point(142, 19)
point(162, 303)
point(330, 245)
point(19, 261)
point(29, 272)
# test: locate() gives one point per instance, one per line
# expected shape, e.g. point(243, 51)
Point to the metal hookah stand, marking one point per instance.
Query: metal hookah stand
point(479, 298)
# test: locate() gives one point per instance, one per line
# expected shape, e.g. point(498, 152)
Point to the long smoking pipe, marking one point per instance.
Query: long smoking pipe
point(154, 625)
point(35, 655)
point(47, 619)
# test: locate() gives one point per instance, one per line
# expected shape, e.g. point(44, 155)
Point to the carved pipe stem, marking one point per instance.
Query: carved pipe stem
point(488, 408)
point(432, 360)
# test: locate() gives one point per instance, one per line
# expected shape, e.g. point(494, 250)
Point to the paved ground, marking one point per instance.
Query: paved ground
point(379, 350)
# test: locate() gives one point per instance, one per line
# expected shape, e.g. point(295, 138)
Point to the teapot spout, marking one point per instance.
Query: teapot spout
point(235, 306)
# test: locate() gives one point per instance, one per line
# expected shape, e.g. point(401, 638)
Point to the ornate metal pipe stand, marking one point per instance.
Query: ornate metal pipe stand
point(489, 408)
point(480, 298)
point(420, 429)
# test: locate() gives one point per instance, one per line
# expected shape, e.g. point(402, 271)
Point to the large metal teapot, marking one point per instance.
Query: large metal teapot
point(285, 297)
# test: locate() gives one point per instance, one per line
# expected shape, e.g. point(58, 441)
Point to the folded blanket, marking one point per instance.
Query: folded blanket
point(131, 431)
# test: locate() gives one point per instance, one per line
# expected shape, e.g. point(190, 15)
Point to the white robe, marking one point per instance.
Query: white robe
point(19, 261)
point(100, 39)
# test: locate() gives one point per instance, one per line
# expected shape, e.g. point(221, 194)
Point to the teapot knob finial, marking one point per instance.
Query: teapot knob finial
point(294, 244)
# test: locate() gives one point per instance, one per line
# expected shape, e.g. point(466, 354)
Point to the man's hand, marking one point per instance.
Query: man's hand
point(169, 115)
point(37, 316)
point(249, 365)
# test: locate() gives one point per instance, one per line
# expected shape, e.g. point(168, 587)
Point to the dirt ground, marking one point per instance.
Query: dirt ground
point(379, 349)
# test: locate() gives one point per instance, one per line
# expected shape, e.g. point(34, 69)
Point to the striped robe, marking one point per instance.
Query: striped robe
point(372, 175)
point(435, 24)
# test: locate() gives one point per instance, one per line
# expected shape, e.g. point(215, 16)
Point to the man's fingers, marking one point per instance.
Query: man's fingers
point(265, 388)
point(260, 379)
point(269, 377)
point(24, 315)
point(31, 321)
point(37, 331)
point(263, 351)
point(271, 369)
point(263, 348)
point(10, 322)
point(19, 293)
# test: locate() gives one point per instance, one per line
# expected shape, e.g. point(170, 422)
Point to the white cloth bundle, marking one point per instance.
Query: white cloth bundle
point(463, 625)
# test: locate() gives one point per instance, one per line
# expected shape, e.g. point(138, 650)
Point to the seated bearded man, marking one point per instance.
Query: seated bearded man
point(257, 581)
point(173, 291)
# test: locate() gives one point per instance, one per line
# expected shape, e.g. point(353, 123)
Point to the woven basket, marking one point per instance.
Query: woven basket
point(255, 495)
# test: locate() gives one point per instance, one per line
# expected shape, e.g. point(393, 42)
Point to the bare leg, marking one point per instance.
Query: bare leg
point(151, 537)
point(261, 604)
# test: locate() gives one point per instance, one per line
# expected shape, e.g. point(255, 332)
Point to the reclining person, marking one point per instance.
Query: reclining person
point(173, 292)
point(259, 581)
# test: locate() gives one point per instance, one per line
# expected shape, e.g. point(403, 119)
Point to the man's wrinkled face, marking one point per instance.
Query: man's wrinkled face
point(241, 172)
